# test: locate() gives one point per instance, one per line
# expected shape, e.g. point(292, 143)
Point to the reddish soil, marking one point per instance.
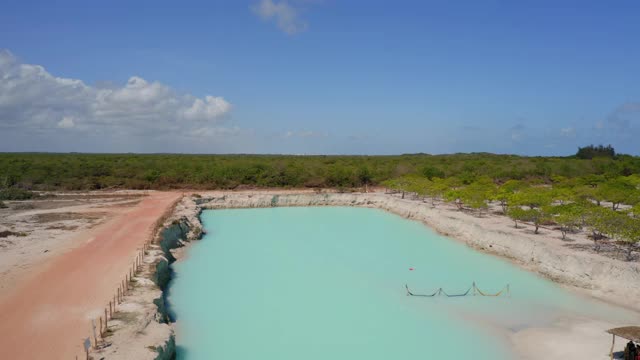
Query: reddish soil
point(49, 315)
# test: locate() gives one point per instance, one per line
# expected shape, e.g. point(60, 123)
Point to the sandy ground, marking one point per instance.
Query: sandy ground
point(567, 339)
point(45, 229)
point(49, 297)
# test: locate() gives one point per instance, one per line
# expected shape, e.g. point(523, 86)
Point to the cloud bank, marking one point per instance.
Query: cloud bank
point(33, 100)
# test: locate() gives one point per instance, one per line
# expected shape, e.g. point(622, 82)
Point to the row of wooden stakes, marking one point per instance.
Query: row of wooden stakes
point(103, 320)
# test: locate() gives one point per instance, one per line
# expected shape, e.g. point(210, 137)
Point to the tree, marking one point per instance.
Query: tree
point(477, 194)
point(617, 191)
point(364, 176)
point(568, 217)
point(506, 191)
point(601, 221)
point(591, 151)
point(436, 189)
point(629, 233)
point(537, 216)
point(417, 185)
point(534, 204)
point(587, 193)
point(431, 172)
point(562, 195)
point(399, 185)
point(516, 213)
point(455, 196)
point(533, 197)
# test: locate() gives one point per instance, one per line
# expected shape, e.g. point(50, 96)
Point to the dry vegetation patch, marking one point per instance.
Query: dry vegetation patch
point(65, 216)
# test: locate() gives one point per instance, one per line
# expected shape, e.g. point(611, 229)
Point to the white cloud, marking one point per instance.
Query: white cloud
point(66, 123)
point(33, 99)
point(286, 17)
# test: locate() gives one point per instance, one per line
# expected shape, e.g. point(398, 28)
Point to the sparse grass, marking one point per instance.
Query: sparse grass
point(7, 233)
point(62, 227)
point(63, 216)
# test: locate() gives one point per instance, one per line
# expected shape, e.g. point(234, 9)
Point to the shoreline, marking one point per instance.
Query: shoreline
point(565, 267)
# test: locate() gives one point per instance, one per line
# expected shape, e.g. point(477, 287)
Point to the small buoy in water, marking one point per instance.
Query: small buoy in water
point(410, 269)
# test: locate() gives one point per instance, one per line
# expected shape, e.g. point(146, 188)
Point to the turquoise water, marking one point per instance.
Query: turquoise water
point(328, 283)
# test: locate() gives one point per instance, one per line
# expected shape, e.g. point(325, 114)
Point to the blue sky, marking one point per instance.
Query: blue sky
point(314, 76)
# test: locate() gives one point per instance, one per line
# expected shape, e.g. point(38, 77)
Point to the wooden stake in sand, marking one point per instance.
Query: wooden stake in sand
point(95, 338)
point(105, 320)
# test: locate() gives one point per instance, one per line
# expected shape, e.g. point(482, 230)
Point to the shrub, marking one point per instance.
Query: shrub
point(16, 194)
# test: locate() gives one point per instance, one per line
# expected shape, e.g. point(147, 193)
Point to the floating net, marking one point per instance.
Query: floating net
point(472, 291)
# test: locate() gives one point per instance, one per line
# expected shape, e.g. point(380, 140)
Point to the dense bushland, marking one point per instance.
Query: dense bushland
point(165, 171)
point(596, 190)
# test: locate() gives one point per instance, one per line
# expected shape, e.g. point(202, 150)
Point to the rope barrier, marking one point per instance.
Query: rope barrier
point(476, 291)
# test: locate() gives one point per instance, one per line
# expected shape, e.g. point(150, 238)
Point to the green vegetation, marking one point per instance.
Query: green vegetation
point(171, 171)
point(16, 194)
point(592, 190)
point(564, 203)
point(590, 152)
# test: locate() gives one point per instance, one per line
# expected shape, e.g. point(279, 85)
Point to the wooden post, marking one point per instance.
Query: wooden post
point(118, 294)
point(105, 320)
point(95, 339)
point(100, 328)
point(613, 342)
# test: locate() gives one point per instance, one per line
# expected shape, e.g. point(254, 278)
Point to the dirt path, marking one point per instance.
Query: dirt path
point(48, 316)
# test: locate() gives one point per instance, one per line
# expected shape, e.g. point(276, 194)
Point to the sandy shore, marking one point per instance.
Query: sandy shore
point(48, 313)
